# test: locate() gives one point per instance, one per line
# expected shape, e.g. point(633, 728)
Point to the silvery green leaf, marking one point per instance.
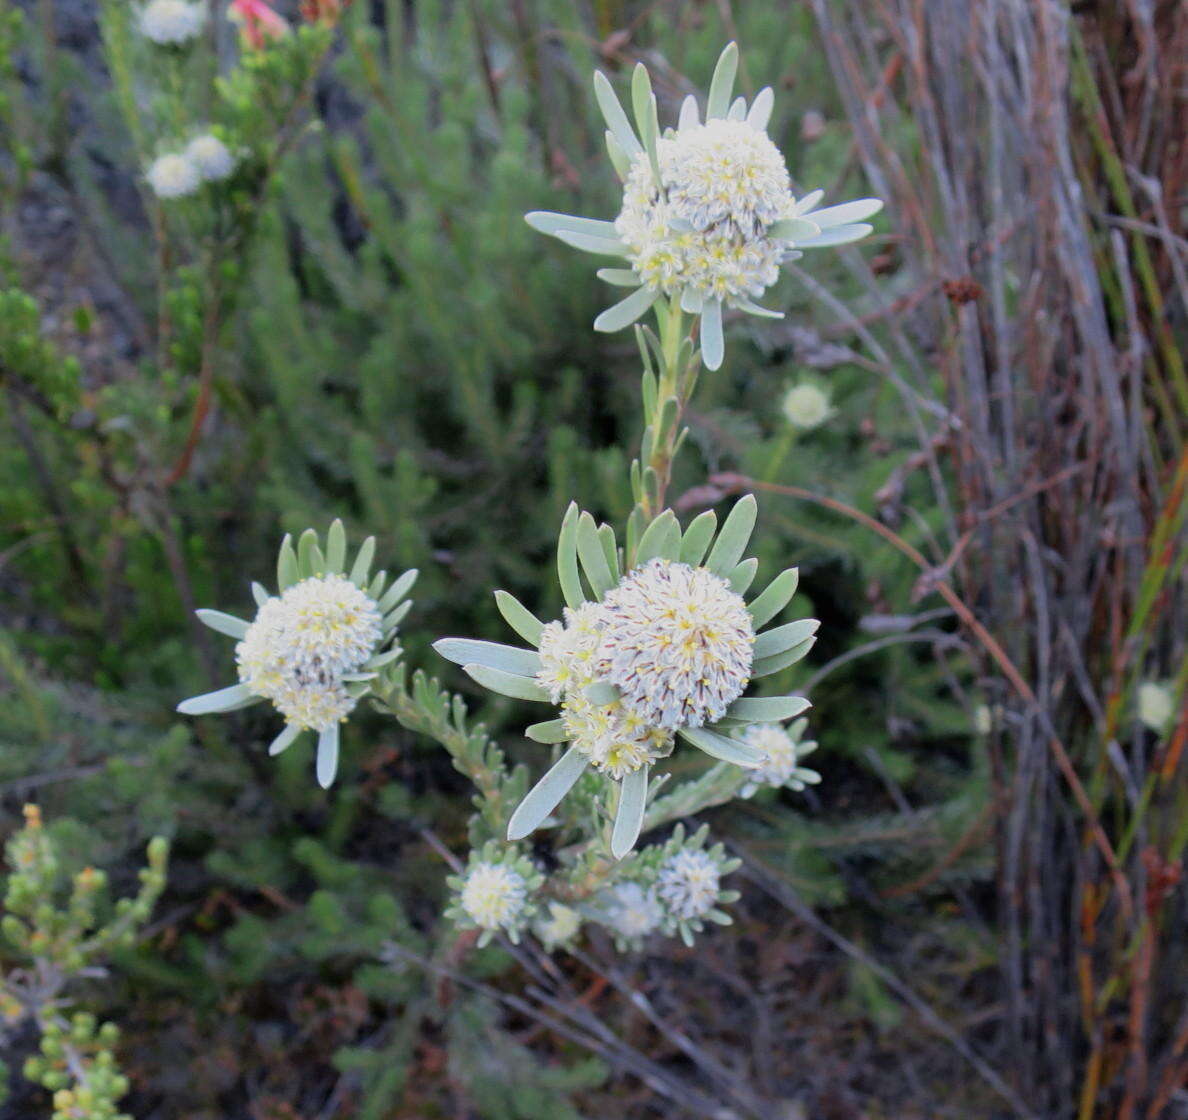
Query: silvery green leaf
point(362, 565)
point(544, 797)
point(601, 692)
point(697, 538)
point(551, 731)
point(550, 222)
point(397, 591)
point(722, 84)
point(692, 301)
point(760, 111)
point(742, 575)
point(466, 651)
point(310, 561)
point(592, 557)
point(590, 243)
point(567, 563)
point(379, 660)
point(616, 119)
point(643, 103)
point(775, 597)
point(284, 739)
point(358, 677)
point(626, 311)
point(738, 109)
point(286, 564)
point(335, 547)
point(619, 158)
point(772, 642)
point(688, 115)
point(519, 617)
point(392, 620)
point(720, 917)
point(808, 202)
point(633, 799)
point(732, 540)
point(327, 764)
point(765, 666)
point(752, 308)
point(356, 689)
point(713, 345)
point(718, 746)
point(793, 229)
point(837, 235)
point(847, 213)
point(222, 700)
point(610, 549)
point(376, 588)
point(768, 709)
point(506, 684)
point(260, 594)
point(619, 277)
point(224, 623)
point(660, 539)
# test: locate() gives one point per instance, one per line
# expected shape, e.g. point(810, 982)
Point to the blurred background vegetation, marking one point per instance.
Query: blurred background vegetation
point(977, 913)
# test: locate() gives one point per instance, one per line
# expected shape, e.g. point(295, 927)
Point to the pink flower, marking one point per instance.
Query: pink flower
point(258, 23)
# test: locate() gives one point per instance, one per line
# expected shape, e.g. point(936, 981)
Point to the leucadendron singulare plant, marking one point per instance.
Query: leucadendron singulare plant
point(314, 649)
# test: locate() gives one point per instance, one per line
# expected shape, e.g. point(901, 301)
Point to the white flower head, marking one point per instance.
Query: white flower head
point(1156, 705)
point(806, 406)
point(678, 644)
point(708, 215)
point(173, 176)
point(783, 751)
point(983, 719)
point(214, 160)
point(632, 911)
point(560, 927)
point(688, 883)
point(171, 22)
point(313, 650)
point(493, 895)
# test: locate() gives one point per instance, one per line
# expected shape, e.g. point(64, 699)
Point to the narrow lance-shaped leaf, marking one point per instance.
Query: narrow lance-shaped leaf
point(284, 739)
point(335, 547)
point(743, 575)
point(592, 556)
point(768, 709)
point(765, 666)
point(626, 311)
point(732, 540)
point(616, 119)
point(722, 83)
point(327, 763)
point(846, 213)
point(398, 590)
point(286, 564)
point(567, 564)
point(551, 731)
point(782, 638)
point(506, 684)
point(552, 223)
point(519, 617)
point(633, 799)
point(697, 537)
point(544, 797)
point(718, 746)
point(838, 235)
point(713, 345)
point(222, 700)
point(660, 539)
point(362, 566)
point(224, 623)
point(777, 595)
point(466, 651)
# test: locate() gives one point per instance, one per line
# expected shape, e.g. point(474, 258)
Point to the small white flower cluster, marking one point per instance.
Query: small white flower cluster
point(495, 893)
point(206, 159)
point(301, 645)
point(703, 229)
point(806, 406)
point(674, 640)
point(783, 751)
point(674, 888)
point(169, 23)
point(560, 927)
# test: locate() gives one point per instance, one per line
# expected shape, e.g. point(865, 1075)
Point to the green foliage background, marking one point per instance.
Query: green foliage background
point(404, 353)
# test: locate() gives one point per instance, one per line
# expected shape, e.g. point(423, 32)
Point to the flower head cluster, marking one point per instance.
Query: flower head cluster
point(1156, 705)
point(206, 159)
point(708, 214)
point(783, 750)
point(806, 406)
point(171, 22)
point(665, 650)
point(495, 892)
point(312, 650)
point(560, 927)
point(631, 911)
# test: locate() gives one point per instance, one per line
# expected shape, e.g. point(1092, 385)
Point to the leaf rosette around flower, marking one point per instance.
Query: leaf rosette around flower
point(313, 650)
point(708, 214)
point(647, 653)
point(495, 893)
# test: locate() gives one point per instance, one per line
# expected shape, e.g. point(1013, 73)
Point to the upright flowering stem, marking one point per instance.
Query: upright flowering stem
point(673, 383)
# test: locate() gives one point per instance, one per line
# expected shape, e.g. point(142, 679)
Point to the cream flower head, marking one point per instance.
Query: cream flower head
point(688, 883)
point(214, 160)
point(708, 214)
point(173, 176)
point(171, 22)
